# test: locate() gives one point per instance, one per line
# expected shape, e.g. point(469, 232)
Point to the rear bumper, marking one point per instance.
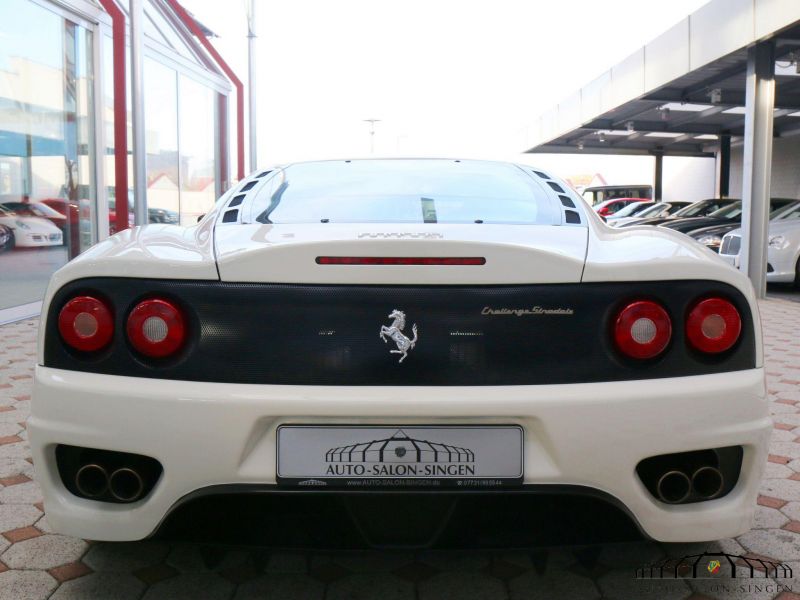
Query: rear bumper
point(589, 435)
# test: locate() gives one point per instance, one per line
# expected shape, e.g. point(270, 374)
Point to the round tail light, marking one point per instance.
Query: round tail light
point(156, 328)
point(642, 330)
point(713, 325)
point(85, 323)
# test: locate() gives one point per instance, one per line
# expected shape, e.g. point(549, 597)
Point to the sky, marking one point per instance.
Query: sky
point(446, 78)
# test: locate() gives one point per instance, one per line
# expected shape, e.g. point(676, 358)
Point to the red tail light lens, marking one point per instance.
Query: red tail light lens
point(642, 330)
point(156, 328)
point(85, 323)
point(713, 325)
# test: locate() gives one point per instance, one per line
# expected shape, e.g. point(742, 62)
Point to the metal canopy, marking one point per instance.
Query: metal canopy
point(657, 102)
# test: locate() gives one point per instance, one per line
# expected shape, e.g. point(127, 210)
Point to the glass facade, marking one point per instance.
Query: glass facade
point(47, 204)
point(53, 196)
point(197, 149)
point(161, 140)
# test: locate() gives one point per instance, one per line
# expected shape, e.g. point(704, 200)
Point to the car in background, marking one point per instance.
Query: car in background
point(701, 208)
point(711, 237)
point(154, 215)
point(40, 210)
point(634, 208)
point(610, 207)
point(25, 231)
point(728, 215)
point(162, 215)
point(71, 209)
point(647, 211)
point(600, 193)
point(783, 250)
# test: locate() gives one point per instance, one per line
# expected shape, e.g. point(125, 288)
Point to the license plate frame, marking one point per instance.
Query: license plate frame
point(357, 456)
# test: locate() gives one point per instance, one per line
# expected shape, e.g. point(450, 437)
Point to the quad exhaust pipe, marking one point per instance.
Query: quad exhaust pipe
point(124, 484)
point(675, 486)
point(707, 482)
point(91, 480)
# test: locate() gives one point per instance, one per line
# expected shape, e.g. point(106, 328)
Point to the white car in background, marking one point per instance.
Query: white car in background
point(783, 252)
point(26, 231)
point(457, 333)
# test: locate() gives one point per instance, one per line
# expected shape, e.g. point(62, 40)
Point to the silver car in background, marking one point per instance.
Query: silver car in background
point(634, 212)
point(783, 252)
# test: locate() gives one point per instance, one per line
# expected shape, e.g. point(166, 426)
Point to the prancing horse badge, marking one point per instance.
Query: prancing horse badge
point(395, 332)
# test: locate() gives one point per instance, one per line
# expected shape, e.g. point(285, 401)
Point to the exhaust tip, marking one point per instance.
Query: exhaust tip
point(673, 487)
point(707, 482)
point(91, 480)
point(126, 485)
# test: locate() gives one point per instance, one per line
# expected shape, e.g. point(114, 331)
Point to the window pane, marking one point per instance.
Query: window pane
point(161, 140)
point(197, 144)
point(405, 191)
point(45, 147)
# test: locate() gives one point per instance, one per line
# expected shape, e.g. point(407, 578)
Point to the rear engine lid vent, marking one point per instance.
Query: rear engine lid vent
point(230, 216)
point(237, 200)
point(556, 187)
point(566, 201)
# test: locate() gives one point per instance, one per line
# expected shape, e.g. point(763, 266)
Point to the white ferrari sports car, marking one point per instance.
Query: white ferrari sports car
point(412, 350)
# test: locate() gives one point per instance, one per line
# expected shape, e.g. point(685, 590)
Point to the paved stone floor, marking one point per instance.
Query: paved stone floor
point(37, 564)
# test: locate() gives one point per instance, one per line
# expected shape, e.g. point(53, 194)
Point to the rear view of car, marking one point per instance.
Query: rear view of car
point(342, 338)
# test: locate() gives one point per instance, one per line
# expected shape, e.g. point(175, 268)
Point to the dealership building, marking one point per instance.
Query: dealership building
point(66, 168)
point(722, 83)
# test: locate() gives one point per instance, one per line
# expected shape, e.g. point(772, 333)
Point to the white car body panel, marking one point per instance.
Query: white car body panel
point(161, 418)
point(287, 253)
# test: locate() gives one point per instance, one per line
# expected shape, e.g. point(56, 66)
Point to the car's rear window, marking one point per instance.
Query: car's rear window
point(404, 191)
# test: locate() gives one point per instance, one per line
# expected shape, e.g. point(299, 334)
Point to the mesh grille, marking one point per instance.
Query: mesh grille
point(731, 244)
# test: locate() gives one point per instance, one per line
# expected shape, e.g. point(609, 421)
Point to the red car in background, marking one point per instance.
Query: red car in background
point(609, 207)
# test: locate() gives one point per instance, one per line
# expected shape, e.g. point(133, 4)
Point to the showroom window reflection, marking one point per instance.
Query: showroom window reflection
point(181, 163)
point(46, 151)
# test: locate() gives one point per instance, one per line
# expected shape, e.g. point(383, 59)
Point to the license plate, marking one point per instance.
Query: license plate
point(467, 456)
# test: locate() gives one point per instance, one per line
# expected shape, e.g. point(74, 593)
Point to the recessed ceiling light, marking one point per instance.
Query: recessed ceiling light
point(706, 136)
point(664, 134)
